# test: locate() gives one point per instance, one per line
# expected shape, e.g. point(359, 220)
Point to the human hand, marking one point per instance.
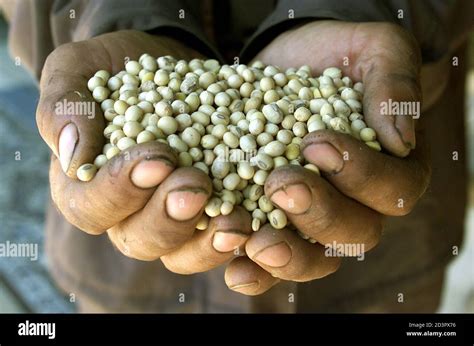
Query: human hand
point(359, 185)
point(148, 208)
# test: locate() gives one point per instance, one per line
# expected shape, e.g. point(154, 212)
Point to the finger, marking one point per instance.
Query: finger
point(391, 75)
point(120, 188)
point(206, 250)
point(321, 212)
point(245, 276)
point(68, 118)
point(169, 218)
point(286, 255)
point(387, 184)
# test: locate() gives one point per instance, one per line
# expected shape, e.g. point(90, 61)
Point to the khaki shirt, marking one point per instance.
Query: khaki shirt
point(404, 272)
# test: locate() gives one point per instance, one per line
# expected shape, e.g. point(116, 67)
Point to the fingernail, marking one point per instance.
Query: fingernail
point(183, 205)
point(325, 156)
point(253, 285)
point(406, 130)
point(150, 172)
point(228, 241)
point(277, 255)
point(67, 143)
point(295, 199)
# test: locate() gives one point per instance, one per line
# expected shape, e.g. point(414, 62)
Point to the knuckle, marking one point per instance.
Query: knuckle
point(321, 219)
point(129, 247)
point(68, 48)
point(365, 175)
point(77, 219)
point(168, 240)
point(51, 62)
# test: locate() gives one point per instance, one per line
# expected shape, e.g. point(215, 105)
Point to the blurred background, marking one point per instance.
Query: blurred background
point(25, 285)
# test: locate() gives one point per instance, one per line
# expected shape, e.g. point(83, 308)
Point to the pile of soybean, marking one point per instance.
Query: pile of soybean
point(236, 123)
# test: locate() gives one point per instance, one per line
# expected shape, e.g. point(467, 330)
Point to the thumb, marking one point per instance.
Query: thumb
point(392, 96)
point(68, 118)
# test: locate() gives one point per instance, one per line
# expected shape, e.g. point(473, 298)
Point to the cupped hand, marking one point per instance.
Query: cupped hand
point(358, 185)
point(148, 207)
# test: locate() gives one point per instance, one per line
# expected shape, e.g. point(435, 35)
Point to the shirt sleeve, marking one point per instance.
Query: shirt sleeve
point(437, 25)
point(37, 27)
